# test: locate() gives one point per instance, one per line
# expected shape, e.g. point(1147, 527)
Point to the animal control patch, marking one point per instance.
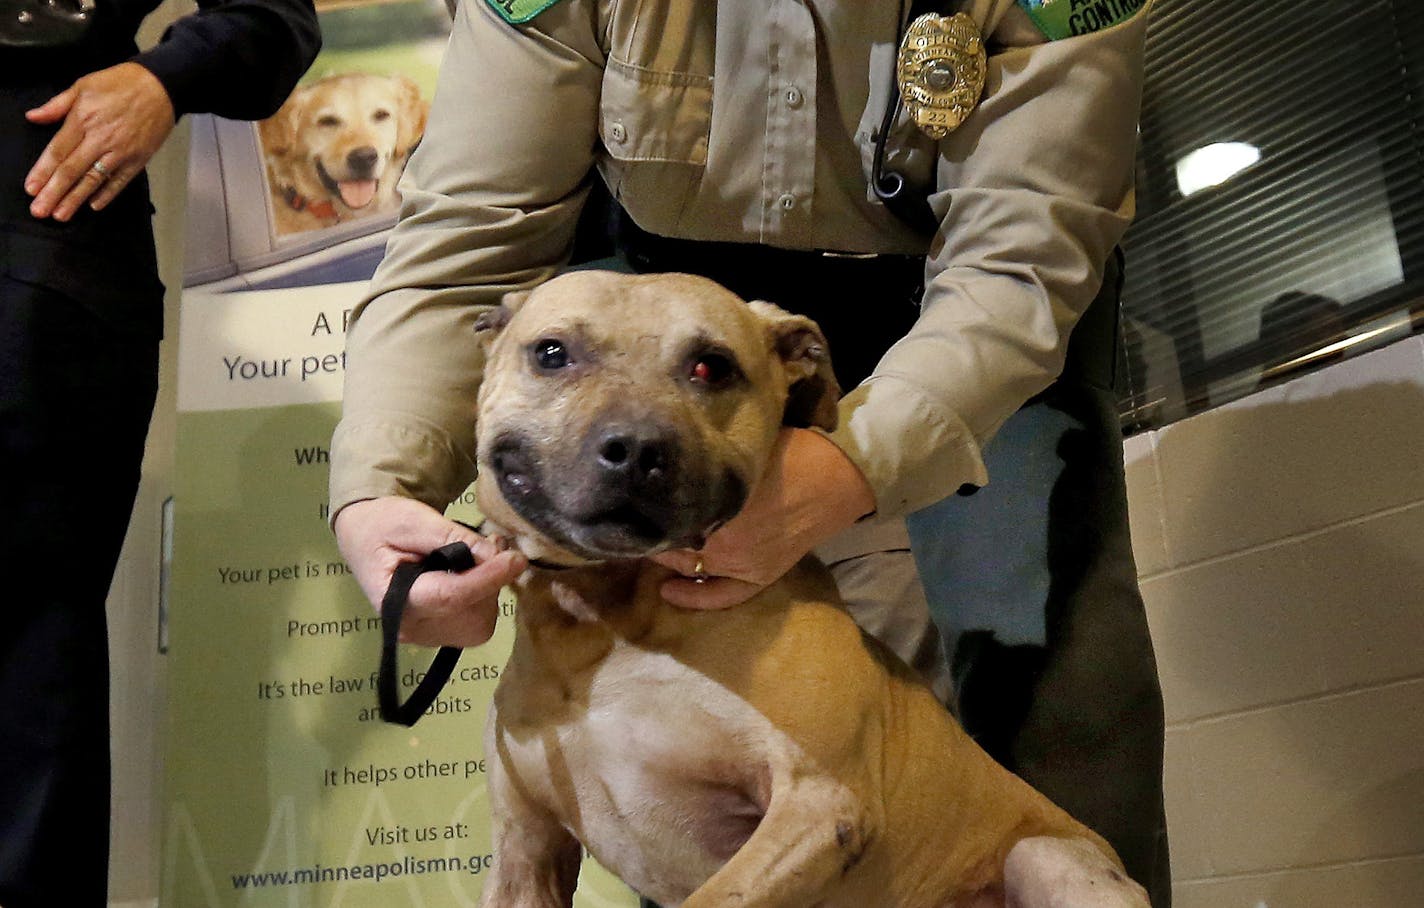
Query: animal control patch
point(517, 12)
point(1068, 18)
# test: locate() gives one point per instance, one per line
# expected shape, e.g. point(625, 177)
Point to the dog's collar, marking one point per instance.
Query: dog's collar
point(298, 202)
point(540, 564)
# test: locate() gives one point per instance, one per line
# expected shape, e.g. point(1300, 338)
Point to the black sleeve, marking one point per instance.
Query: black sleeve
point(235, 58)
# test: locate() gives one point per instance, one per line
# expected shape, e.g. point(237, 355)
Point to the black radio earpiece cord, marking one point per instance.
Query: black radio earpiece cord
point(888, 185)
point(455, 557)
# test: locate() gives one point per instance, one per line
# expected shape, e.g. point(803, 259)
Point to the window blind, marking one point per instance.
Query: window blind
point(1280, 186)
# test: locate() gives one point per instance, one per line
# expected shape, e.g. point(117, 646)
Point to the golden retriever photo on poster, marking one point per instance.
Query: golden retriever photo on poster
point(337, 147)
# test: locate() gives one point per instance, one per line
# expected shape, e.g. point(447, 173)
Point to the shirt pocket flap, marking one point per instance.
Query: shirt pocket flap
point(646, 115)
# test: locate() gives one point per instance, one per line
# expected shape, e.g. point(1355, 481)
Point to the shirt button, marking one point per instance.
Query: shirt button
point(788, 201)
point(617, 133)
point(794, 97)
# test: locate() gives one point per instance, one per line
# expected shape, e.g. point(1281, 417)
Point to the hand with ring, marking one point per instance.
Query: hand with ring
point(809, 492)
point(112, 123)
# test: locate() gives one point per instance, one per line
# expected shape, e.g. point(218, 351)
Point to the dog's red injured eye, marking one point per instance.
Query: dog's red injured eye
point(711, 369)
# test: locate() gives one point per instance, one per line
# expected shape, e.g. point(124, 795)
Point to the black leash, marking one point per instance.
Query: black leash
point(453, 557)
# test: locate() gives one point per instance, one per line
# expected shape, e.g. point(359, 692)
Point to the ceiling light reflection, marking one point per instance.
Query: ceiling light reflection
point(1214, 164)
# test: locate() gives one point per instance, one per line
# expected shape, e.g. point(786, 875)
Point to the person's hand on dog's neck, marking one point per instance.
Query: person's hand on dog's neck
point(809, 492)
point(445, 608)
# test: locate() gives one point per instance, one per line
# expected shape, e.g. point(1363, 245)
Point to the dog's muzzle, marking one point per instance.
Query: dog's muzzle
point(628, 490)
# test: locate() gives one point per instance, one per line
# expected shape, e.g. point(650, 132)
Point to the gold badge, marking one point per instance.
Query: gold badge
point(940, 70)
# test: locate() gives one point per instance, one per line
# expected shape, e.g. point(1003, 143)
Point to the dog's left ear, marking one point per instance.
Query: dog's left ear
point(490, 322)
point(413, 112)
point(812, 393)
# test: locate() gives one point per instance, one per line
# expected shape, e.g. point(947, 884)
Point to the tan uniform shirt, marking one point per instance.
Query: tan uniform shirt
point(748, 121)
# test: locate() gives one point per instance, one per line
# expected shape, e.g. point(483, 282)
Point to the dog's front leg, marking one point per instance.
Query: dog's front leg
point(1047, 872)
point(532, 868)
point(814, 831)
point(535, 864)
point(535, 861)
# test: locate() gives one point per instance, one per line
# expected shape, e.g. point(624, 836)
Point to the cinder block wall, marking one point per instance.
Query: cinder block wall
point(1280, 540)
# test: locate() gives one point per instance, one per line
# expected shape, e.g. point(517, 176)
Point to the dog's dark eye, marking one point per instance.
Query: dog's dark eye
point(712, 370)
point(328, 121)
point(381, 114)
point(550, 354)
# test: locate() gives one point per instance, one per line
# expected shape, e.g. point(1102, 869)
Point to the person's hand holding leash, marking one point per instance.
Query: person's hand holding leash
point(114, 120)
point(809, 493)
point(444, 609)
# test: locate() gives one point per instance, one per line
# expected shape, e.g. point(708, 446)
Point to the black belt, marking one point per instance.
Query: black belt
point(757, 266)
point(47, 24)
point(863, 303)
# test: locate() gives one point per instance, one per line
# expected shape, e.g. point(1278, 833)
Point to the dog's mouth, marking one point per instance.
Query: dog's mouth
point(626, 525)
point(596, 531)
point(354, 194)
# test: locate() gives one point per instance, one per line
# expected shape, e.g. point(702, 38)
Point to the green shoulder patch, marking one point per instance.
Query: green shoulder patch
point(1060, 19)
point(517, 12)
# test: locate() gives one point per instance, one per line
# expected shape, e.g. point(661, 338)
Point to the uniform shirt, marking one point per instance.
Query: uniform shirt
point(748, 121)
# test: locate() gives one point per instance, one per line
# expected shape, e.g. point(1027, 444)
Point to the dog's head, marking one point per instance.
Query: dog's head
point(345, 137)
point(622, 415)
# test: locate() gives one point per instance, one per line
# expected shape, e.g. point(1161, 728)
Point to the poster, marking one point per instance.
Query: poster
point(282, 785)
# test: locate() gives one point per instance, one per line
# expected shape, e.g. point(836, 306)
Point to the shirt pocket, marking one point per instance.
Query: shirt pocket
point(655, 126)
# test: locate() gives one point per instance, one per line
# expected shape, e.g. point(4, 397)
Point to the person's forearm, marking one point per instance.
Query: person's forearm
point(1025, 233)
point(235, 58)
point(490, 202)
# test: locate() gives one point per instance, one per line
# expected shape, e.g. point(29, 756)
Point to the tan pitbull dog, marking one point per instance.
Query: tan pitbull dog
point(765, 755)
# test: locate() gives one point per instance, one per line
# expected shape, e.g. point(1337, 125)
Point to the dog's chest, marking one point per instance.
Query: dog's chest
point(661, 772)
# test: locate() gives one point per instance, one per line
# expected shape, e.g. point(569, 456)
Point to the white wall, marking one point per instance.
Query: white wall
point(1281, 544)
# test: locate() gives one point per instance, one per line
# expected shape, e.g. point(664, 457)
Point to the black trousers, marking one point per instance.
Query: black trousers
point(76, 395)
point(1032, 584)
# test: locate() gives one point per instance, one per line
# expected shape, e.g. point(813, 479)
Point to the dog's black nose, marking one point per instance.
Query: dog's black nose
point(363, 160)
point(641, 455)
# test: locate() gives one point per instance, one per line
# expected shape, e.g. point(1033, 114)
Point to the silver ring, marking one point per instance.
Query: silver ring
point(99, 168)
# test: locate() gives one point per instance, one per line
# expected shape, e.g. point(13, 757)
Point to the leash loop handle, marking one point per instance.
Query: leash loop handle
point(454, 557)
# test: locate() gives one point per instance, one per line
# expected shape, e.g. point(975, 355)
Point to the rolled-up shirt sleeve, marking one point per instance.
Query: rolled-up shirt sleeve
point(235, 58)
point(1036, 188)
point(490, 201)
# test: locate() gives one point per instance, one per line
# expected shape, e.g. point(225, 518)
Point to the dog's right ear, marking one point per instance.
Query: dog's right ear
point(813, 393)
point(490, 322)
